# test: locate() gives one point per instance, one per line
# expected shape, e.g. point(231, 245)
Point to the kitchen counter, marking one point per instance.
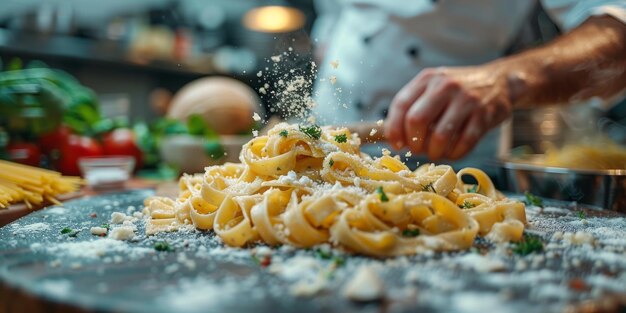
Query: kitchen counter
point(581, 268)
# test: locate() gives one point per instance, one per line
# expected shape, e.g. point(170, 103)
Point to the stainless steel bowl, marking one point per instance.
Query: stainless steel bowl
point(602, 188)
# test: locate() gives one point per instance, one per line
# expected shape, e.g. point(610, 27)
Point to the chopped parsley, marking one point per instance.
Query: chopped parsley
point(339, 261)
point(383, 195)
point(581, 215)
point(533, 200)
point(411, 232)
point(323, 254)
point(105, 225)
point(284, 133)
point(466, 205)
point(313, 131)
point(331, 162)
point(473, 189)
point(341, 138)
point(429, 187)
point(70, 232)
point(528, 245)
point(163, 246)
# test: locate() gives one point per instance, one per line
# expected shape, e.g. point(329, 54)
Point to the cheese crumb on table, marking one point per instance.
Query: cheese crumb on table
point(122, 233)
point(117, 217)
point(98, 231)
point(366, 285)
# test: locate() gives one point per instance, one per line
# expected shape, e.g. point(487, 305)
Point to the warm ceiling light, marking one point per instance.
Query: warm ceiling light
point(274, 19)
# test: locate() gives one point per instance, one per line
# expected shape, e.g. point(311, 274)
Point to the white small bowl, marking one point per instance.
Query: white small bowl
point(187, 154)
point(106, 172)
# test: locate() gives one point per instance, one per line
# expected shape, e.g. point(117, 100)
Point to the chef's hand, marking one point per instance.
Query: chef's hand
point(445, 111)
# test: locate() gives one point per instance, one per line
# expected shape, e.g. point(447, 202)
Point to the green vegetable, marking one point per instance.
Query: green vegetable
point(533, 200)
point(528, 245)
point(105, 225)
point(163, 246)
point(381, 192)
point(581, 215)
point(331, 162)
point(473, 189)
point(341, 138)
point(313, 131)
point(466, 205)
point(197, 126)
point(284, 133)
point(214, 149)
point(411, 232)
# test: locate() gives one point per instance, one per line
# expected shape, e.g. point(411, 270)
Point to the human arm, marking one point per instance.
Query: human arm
point(445, 111)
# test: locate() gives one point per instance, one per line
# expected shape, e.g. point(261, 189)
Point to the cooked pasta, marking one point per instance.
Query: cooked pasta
point(603, 154)
point(308, 186)
point(32, 185)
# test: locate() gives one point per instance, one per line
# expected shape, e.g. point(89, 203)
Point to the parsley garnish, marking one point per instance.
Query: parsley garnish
point(323, 254)
point(339, 261)
point(581, 215)
point(466, 205)
point(312, 131)
point(411, 232)
point(429, 187)
point(283, 133)
point(331, 162)
point(381, 192)
point(341, 138)
point(533, 200)
point(70, 232)
point(528, 245)
point(473, 189)
point(105, 225)
point(162, 246)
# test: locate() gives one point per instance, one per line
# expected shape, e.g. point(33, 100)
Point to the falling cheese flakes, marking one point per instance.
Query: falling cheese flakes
point(334, 64)
point(333, 79)
point(379, 122)
point(256, 117)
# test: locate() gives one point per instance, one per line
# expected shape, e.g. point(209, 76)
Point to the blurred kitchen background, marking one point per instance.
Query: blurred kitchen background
point(133, 53)
point(121, 63)
point(96, 67)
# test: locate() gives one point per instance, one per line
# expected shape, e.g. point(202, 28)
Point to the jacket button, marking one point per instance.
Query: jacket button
point(413, 52)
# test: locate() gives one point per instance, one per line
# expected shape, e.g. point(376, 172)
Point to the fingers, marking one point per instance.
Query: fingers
point(450, 125)
point(424, 113)
point(473, 131)
point(404, 99)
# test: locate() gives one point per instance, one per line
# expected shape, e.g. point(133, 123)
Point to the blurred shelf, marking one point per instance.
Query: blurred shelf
point(69, 48)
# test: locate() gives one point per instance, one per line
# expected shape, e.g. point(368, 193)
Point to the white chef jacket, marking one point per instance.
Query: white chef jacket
point(381, 45)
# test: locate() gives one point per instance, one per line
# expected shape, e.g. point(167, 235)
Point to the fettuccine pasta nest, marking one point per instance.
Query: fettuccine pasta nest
point(303, 188)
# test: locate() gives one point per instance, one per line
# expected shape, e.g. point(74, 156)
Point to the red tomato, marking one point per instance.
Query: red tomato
point(74, 148)
point(25, 153)
point(122, 142)
point(53, 140)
